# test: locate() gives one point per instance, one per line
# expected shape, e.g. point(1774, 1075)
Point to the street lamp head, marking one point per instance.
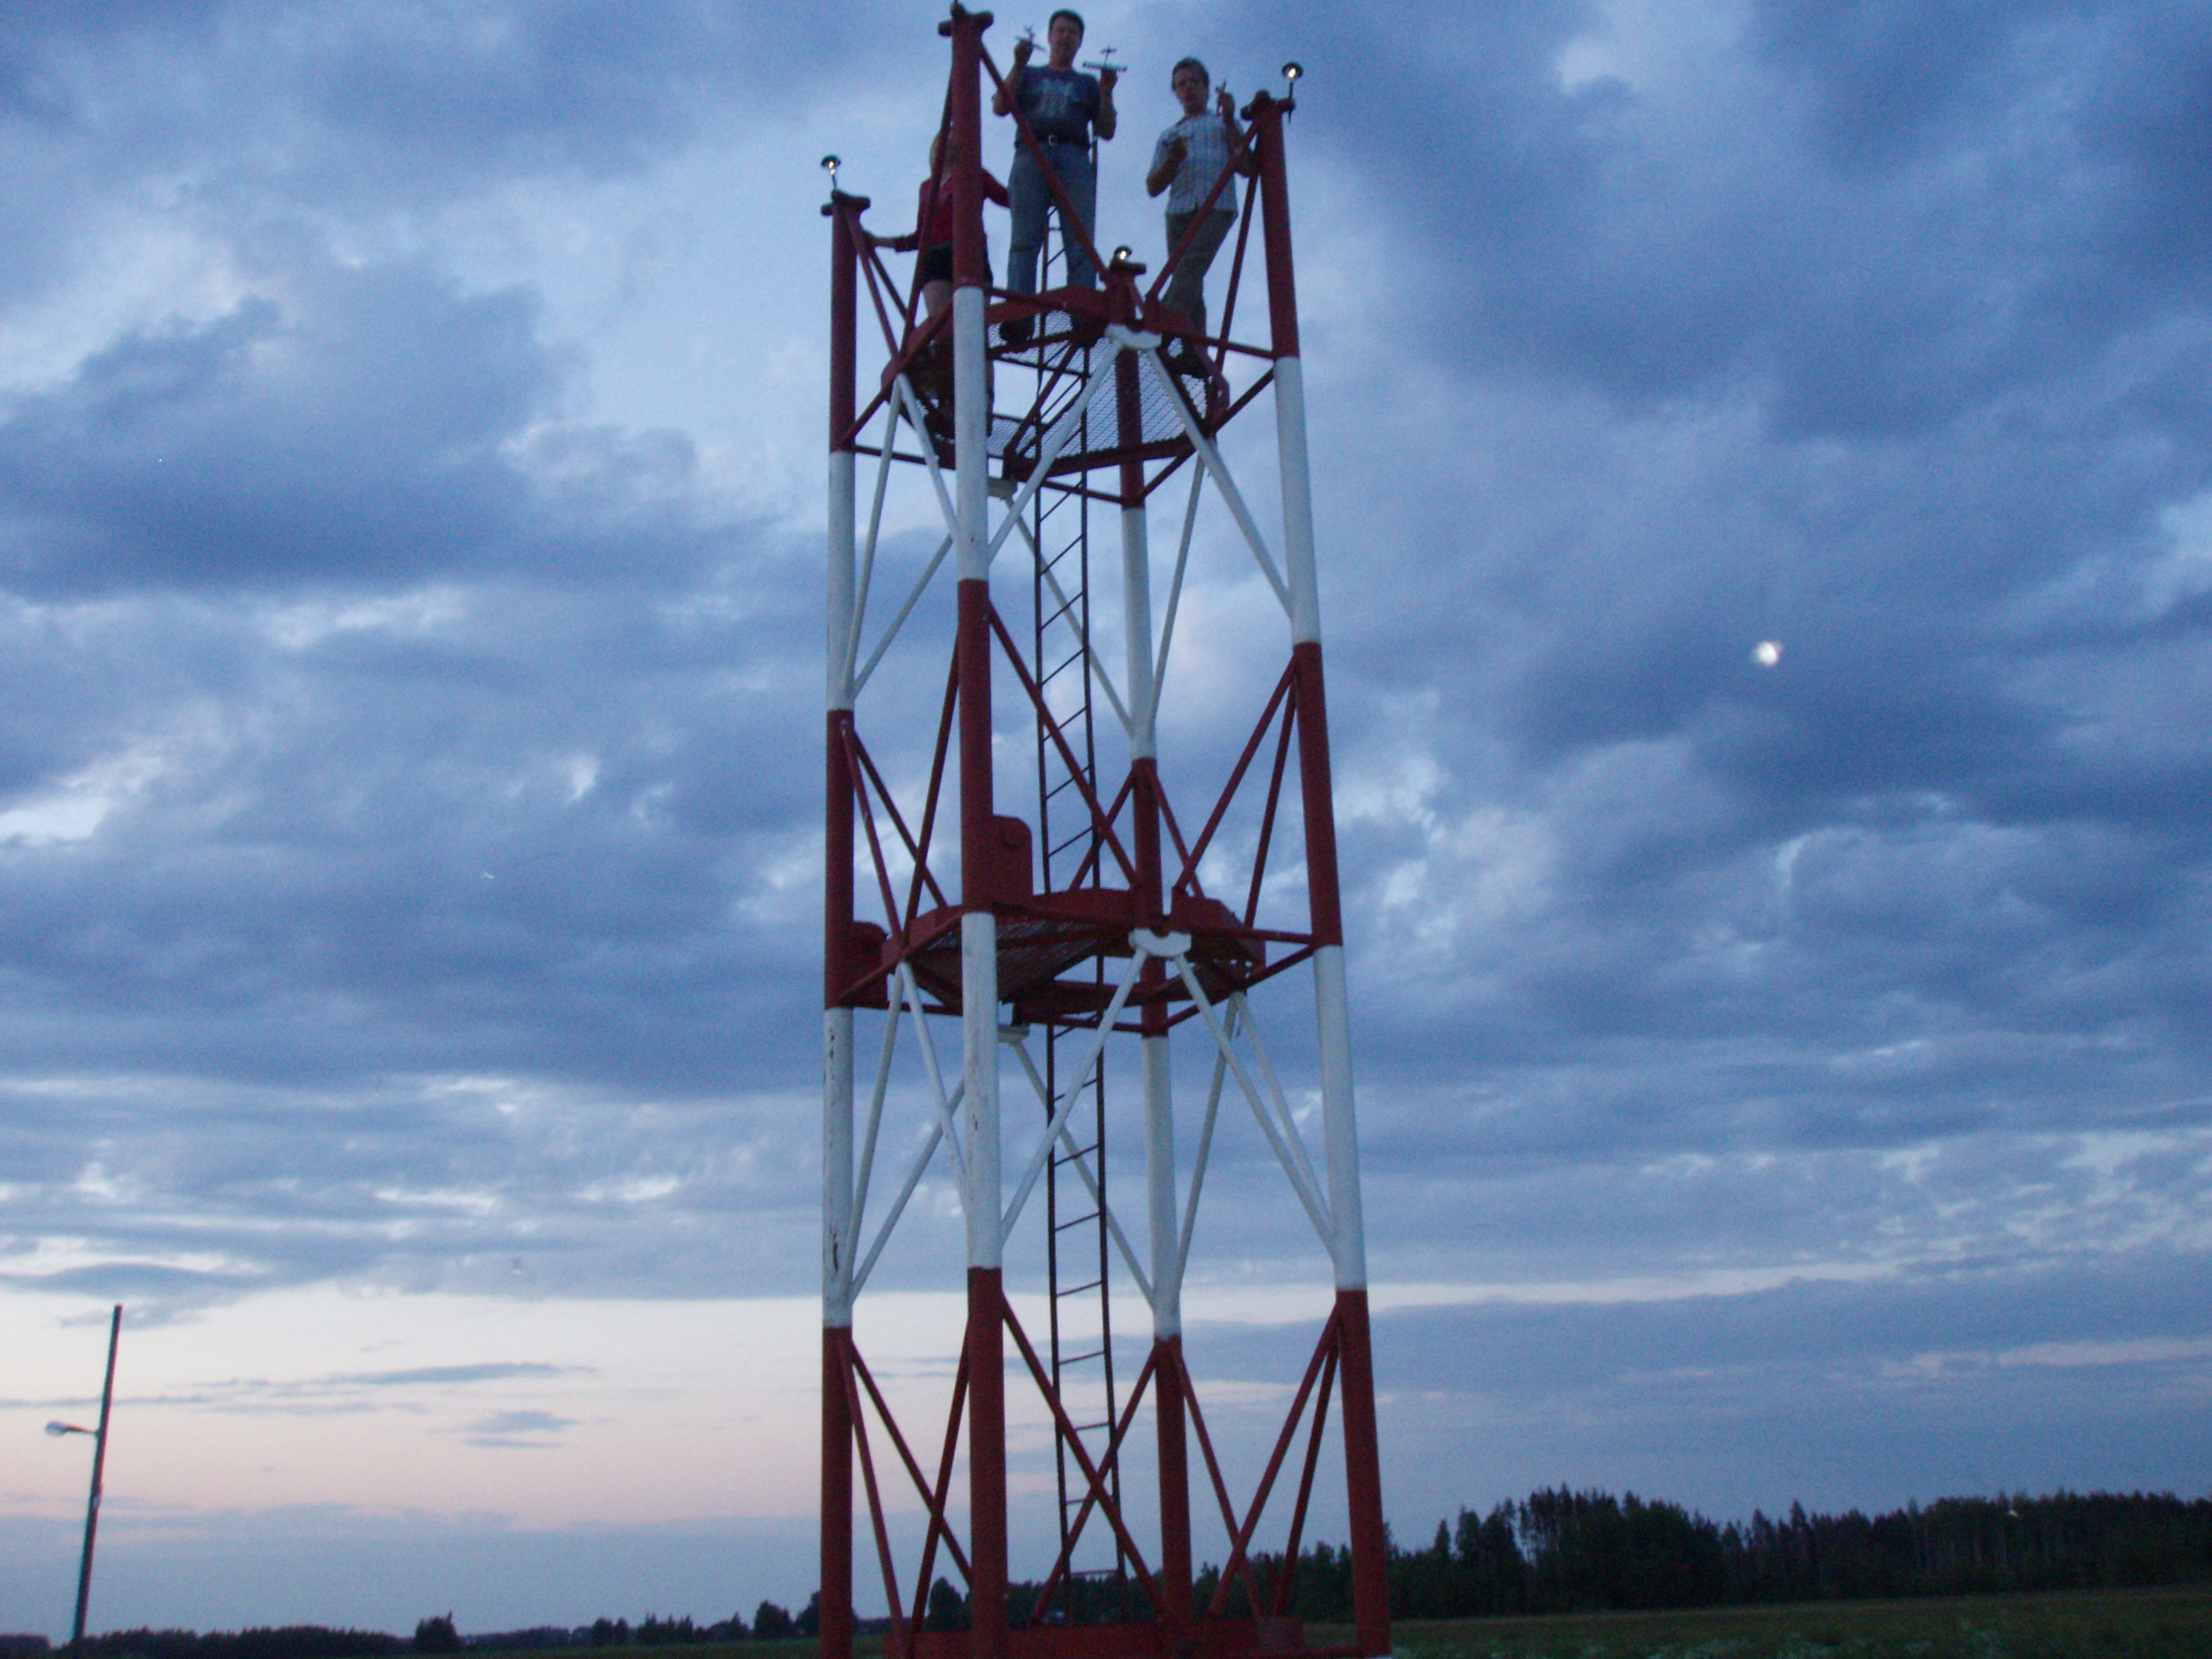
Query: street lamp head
point(58, 1429)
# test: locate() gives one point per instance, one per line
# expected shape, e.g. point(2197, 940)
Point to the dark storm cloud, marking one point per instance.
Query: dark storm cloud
point(1890, 80)
point(1877, 215)
point(2146, 123)
point(401, 725)
point(375, 900)
point(497, 1187)
point(1856, 331)
point(1837, 1394)
point(1928, 1380)
point(414, 101)
point(1891, 1329)
point(353, 440)
point(385, 818)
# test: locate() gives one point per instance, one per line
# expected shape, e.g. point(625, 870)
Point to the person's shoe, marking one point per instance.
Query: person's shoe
point(1217, 397)
point(1015, 331)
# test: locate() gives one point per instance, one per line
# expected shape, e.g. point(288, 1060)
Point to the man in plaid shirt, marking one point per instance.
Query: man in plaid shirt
point(1189, 157)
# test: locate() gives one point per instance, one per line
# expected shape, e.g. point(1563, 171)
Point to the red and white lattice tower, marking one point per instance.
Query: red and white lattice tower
point(1098, 921)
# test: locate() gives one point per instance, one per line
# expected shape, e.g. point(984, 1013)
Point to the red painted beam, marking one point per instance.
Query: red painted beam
point(986, 1512)
point(836, 1499)
point(1266, 115)
point(1172, 1388)
point(1318, 795)
point(1371, 1582)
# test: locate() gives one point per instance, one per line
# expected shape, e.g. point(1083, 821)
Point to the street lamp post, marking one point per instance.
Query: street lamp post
point(100, 1466)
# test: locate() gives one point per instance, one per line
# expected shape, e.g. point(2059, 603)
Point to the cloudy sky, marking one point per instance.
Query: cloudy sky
point(1778, 1081)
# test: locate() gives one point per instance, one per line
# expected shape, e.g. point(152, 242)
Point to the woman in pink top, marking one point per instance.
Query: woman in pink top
point(933, 224)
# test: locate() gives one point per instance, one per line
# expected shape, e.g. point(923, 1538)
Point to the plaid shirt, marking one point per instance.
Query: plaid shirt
point(1202, 163)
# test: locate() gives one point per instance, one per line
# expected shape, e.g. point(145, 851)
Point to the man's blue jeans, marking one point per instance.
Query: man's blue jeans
point(1032, 198)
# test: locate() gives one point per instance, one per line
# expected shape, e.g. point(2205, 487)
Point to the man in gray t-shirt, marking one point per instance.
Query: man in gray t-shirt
point(1190, 157)
point(1062, 107)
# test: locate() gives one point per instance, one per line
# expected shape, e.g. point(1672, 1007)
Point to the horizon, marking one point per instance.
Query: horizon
point(1530, 1521)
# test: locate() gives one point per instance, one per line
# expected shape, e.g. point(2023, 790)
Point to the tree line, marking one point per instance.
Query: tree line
point(286, 1642)
point(1565, 1551)
point(437, 1635)
point(1556, 1550)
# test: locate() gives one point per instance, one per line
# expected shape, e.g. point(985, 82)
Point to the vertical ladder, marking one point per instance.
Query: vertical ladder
point(1081, 1331)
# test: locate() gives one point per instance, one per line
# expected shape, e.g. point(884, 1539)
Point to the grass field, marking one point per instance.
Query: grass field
point(2089, 1624)
point(2083, 1624)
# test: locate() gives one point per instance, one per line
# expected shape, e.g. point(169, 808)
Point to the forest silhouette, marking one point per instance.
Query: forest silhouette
point(1554, 1551)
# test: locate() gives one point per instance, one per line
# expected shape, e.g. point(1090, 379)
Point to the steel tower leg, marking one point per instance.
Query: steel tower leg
point(1163, 1222)
point(979, 1021)
point(1363, 1475)
point(836, 1565)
